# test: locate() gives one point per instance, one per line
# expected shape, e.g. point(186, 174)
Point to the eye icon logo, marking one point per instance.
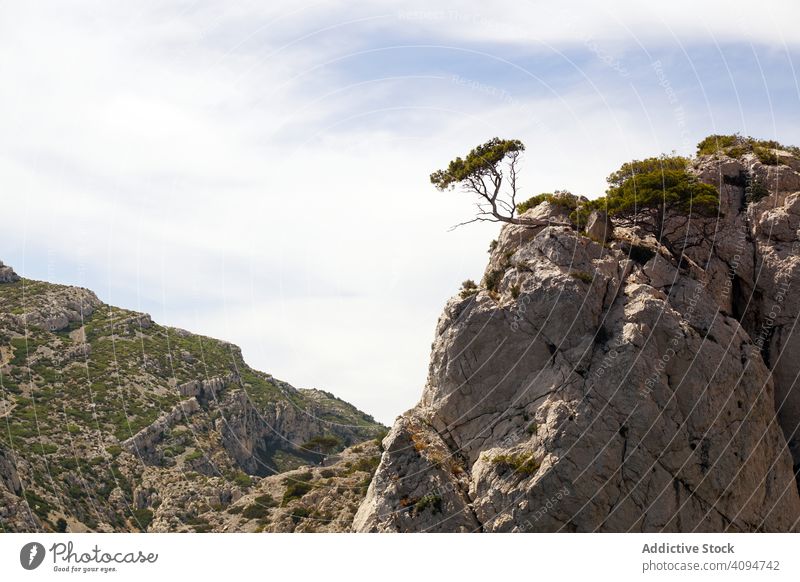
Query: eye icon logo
point(31, 555)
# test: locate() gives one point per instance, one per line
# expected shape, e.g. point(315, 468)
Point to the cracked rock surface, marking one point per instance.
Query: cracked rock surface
point(586, 391)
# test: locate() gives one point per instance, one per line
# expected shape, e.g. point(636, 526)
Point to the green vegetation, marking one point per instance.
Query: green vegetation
point(260, 507)
point(644, 194)
point(143, 518)
point(434, 502)
point(300, 513)
point(365, 464)
point(379, 439)
point(493, 278)
point(74, 397)
point(582, 276)
point(468, 289)
point(737, 145)
point(481, 173)
point(194, 455)
point(296, 490)
point(755, 190)
point(522, 463)
point(242, 479)
point(327, 443)
point(561, 198)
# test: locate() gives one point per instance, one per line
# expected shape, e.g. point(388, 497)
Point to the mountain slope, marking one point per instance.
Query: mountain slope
point(109, 418)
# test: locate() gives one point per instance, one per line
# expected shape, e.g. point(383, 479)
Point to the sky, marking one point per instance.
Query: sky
point(258, 171)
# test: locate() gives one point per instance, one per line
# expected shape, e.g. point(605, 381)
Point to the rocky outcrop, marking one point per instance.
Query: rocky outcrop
point(57, 310)
point(589, 388)
point(308, 499)
point(143, 443)
point(256, 437)
point(205, 390)
point(15, 515)
point(7, 274)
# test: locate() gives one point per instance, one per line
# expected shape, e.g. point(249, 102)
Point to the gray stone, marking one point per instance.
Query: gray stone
point(598, 227)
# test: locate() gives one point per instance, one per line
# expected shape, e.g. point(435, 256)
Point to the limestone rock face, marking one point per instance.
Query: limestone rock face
point(7, 274)
point(15, 515)
point(598, 226)
point(584, 391)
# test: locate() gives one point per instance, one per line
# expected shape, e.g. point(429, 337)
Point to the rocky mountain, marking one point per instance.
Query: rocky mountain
point(604, 376)
point(111, 422)
point(597, 382)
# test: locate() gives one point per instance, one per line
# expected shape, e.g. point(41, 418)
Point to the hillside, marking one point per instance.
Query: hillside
point(111, 422)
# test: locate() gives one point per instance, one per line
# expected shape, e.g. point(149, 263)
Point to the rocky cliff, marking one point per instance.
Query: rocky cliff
point(112, 422)
point(597, 382)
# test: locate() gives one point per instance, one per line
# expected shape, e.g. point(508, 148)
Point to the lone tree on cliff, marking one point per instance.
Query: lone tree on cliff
point(482, 173)
point(660, 197)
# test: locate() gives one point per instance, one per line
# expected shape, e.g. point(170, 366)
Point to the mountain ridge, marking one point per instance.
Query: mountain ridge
point(97, 400)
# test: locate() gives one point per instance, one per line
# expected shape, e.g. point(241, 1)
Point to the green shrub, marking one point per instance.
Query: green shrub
point(266, 500)
point(716, 143)
point(379, 438)
point(323, 443)
point(582, 276)
point(561, 198)
point(434, 502)
point(242, 479)
point(300, 513)
point(766, 156)
point(468, 288)
point(493, 278)
point(737, 145)
point(523, 463)
point(296, 490)
point(143, 518)
point(364, 464)
point(755, 190)
point(255, 511)
point(194, 455)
